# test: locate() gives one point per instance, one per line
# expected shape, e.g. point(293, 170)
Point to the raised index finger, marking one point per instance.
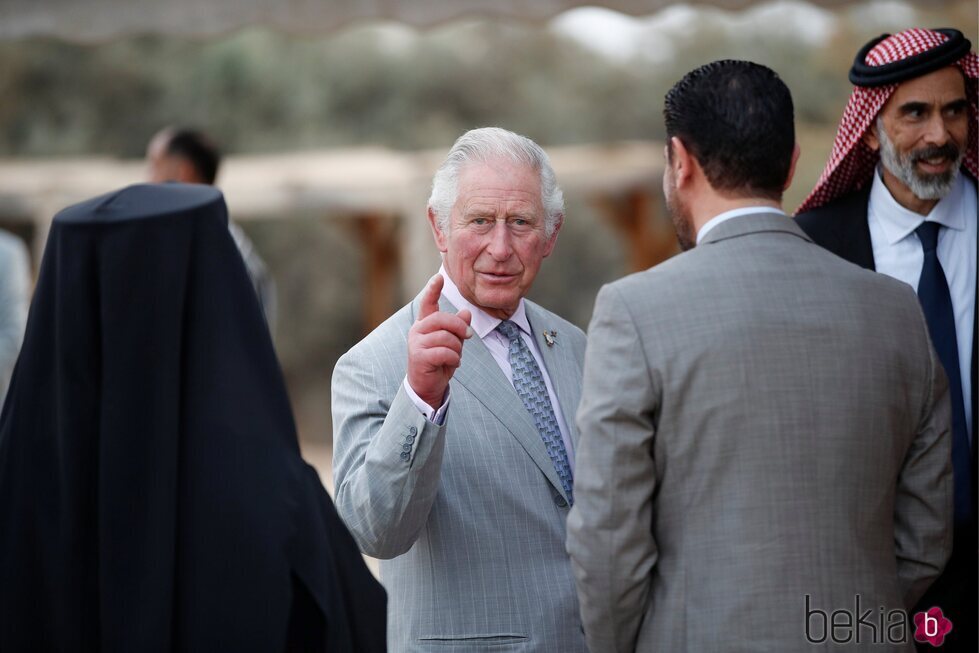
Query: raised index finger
point(430, 298)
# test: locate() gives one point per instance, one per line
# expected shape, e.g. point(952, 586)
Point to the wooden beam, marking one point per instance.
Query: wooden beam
point(647, 236)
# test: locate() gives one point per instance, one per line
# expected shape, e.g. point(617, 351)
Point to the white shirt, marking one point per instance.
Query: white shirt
point(734, 213)
point(484, 326)
point(898, 254)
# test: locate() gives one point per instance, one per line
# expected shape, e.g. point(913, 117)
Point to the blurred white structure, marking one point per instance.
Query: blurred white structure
point(383, 191)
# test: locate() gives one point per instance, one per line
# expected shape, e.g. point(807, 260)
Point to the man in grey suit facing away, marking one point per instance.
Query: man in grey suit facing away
point(764, 454)
point(453, 421)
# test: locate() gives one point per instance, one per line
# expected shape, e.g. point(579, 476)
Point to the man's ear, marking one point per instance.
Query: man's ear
point(552, 241)
point(796, 151)
point(441, 240)
point(682, 162)
point(871, 139)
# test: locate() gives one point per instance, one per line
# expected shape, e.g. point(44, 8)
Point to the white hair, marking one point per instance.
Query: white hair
point(485, 144)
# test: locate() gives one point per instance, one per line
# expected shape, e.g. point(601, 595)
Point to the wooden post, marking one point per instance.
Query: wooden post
point(649, 239)
point(378, 235)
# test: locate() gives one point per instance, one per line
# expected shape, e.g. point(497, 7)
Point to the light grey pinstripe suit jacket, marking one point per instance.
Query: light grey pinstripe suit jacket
point(760, 420)
point(468, 518)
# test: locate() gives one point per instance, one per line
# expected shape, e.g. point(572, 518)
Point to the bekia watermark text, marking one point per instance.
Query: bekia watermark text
point(863, 625)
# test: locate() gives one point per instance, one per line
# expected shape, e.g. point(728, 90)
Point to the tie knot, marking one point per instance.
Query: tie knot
point(509, 329)
point(928, 235)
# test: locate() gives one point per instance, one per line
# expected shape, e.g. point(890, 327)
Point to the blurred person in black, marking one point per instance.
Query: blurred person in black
point(152, 493)
point(191, 157)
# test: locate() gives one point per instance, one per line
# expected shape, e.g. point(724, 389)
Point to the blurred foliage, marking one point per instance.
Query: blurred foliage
point(261, 91)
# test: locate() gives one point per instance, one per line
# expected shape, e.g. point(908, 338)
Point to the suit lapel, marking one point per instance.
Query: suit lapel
point(483, 378)
point(561, 366)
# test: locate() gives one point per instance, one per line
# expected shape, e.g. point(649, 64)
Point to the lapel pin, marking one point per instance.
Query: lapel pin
point(549, 337)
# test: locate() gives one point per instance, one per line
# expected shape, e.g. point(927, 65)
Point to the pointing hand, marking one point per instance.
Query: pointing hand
point(435, 345)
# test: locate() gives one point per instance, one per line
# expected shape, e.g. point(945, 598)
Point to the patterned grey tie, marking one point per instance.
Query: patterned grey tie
point(529, 384)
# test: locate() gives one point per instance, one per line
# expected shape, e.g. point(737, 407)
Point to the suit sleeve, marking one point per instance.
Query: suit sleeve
point(923, 502)
point(609, 537)
point(387, 458)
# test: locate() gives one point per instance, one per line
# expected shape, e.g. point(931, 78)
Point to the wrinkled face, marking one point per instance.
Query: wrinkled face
point(922, 132)
point(496, 239)
point(679, 211)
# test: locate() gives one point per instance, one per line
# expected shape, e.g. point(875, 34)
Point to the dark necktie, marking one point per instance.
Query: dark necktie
point(529, 384)
point(937, 304)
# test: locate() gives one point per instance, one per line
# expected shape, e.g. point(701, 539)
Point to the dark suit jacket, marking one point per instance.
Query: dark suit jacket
point(841, 227)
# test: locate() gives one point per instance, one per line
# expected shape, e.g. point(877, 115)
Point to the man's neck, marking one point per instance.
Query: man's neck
point(904, 196)
point(715, 204)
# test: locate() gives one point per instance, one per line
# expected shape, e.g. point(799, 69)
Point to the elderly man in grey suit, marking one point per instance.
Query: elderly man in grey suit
point(764, 454)
point(453, 433)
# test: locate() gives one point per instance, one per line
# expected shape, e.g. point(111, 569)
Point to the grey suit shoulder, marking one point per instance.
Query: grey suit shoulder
point(737, 251)
point(393, 333)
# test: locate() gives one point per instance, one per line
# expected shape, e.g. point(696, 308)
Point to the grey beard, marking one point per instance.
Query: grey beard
point(924, 187)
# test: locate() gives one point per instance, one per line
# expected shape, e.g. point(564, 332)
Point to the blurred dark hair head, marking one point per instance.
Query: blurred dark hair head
point(196, 148)
point(736, 118)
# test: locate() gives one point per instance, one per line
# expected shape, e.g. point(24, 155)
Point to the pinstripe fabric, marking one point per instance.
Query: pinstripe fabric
point(471, 527)
point(760, 421)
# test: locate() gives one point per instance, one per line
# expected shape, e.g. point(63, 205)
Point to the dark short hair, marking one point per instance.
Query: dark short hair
point(736, 118)
point(199, 150)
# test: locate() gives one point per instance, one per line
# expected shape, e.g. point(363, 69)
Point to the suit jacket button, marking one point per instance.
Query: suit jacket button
point(409, 439)
point(412, 430)
point(405, 456)
point(559, 501)
point(406, 448)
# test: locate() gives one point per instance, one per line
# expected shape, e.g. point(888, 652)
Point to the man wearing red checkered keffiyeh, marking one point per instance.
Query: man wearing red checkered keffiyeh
point(898, 196)
point(852, 161)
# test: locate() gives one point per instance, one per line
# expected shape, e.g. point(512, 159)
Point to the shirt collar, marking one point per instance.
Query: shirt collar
point(734, 213)
point(482, 323)
point(898, 222)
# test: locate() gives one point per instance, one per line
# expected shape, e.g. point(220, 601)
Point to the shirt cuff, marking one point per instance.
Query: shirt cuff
point(435, 416)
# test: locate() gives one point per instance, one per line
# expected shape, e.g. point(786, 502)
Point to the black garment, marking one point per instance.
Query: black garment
point(841, 227)
point(152, 493)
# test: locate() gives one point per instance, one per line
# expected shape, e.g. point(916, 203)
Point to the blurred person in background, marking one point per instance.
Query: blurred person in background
point(898, 196)
point(189, 156)
point(15, 275)
point(453, 432)
point(764, 427)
